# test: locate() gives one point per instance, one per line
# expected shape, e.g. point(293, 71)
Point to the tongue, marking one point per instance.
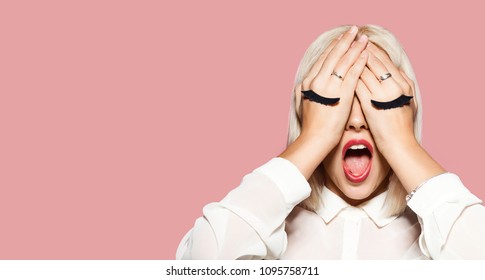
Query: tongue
point(357, 164)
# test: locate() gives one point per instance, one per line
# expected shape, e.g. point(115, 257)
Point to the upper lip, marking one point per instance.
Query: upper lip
point(357, 142)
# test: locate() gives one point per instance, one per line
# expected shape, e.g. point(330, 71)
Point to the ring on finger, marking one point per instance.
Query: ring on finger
point(337, 75)
point(385, 77)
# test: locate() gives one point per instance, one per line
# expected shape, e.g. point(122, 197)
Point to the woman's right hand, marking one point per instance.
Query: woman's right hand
point(322, 125)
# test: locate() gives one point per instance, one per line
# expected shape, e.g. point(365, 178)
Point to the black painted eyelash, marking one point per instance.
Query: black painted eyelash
point(313, 96)
point(398, 102)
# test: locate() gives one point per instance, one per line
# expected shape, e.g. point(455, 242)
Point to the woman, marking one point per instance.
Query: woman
point(353, 182)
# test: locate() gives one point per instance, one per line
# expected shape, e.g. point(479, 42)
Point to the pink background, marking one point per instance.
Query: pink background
point(120, 120)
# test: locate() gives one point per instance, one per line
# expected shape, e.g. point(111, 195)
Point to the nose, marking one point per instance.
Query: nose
point(356, 120)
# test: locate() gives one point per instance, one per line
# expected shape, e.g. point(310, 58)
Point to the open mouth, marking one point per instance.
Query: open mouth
point(357, 160)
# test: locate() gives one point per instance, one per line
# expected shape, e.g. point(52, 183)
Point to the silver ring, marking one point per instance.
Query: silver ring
point(385, 76)
point(336, 75)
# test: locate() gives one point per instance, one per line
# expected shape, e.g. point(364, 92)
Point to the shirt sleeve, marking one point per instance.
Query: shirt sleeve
point(452, 219)
point(249, 223)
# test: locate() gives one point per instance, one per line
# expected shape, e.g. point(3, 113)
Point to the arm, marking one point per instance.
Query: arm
point(323, 126)
point(452, 221)
point(393, 129)
point(249, 222)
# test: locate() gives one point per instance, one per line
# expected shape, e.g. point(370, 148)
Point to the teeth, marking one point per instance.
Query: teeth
point(357, 147)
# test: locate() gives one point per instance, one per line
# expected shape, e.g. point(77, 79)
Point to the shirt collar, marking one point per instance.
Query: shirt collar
point(331, 205)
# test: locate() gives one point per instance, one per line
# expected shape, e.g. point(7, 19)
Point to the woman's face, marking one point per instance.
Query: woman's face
point(355, 170)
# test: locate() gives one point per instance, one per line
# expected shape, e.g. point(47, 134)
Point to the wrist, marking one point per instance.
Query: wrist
point(307, 152)
point(319, 140)
point(395, 146)
point(408, 157)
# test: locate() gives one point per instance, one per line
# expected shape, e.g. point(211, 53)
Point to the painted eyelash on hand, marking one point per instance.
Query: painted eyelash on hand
point(396, 103)
point(315, 97)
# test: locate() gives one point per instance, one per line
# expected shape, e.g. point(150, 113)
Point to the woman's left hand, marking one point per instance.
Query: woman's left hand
point(391, 127)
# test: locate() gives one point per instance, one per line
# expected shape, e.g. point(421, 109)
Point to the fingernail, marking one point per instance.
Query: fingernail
point(362, 38)
point(353, 29)
point(340, 36)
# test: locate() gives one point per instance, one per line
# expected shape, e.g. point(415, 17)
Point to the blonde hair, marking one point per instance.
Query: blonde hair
point(395, 202)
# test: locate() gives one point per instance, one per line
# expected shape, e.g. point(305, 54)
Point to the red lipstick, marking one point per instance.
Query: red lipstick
point(357, 160)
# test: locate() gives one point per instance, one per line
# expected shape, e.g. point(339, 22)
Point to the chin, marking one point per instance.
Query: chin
point(361, 192)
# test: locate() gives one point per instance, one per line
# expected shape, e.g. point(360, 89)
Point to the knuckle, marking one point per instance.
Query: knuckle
point(407, 88)
point(395, 88)
point(346, 60)
point(353, 72)
point(411, 85)
point(372, 59)
point(339, 48)
point(316, 85)
point(306, 83)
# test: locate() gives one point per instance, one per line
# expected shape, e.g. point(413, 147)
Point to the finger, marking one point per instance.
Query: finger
point(363, 94)
point(337, 52)
point(409, 87)
point(317, 66)
point(351, 56)
point(377, 67)
point(370, 81)
point(386, 60)
point(352, 77)
point(410, 83)
point(388, 89)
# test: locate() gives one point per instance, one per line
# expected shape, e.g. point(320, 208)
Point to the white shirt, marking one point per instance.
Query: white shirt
point(259, 220)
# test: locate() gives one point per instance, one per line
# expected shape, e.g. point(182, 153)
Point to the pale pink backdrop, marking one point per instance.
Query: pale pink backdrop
point(120, 120)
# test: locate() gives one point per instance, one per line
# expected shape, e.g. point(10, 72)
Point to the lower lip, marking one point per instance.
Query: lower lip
point(360, 178)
